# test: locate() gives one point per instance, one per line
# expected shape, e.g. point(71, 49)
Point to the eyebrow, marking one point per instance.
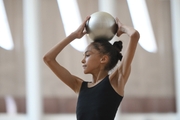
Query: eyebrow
point(87, 51)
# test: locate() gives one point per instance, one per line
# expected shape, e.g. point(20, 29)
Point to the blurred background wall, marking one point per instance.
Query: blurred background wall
point(151, 86)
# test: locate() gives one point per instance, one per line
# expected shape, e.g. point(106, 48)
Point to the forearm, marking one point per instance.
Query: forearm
point(52, 54)
point(79, 33)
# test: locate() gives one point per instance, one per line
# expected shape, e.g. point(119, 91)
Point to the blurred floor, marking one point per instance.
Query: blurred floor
point(154, 116)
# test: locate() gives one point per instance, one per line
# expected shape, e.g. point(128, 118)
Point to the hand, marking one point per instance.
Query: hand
point(120, 30)
point(80, 32)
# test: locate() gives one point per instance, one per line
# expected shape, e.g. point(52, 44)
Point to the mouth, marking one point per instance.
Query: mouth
point(84, 66)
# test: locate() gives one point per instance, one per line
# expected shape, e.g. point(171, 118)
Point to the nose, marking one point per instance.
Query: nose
point(83, 60)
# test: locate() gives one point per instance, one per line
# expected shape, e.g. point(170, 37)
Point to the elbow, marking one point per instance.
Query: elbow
point(136, 36)
point(47, 59)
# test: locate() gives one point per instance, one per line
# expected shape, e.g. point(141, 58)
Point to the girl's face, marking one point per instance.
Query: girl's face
point(91, 61)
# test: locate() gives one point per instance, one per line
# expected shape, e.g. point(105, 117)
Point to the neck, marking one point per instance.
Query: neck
point(98, 77)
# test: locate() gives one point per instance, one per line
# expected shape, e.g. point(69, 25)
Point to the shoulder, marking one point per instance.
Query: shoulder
point(77, 84)
point(119, 80)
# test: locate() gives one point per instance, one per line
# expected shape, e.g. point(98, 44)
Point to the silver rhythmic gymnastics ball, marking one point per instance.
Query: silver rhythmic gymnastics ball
point(101, 25)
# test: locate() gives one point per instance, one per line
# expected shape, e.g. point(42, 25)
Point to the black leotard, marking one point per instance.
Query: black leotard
point(99, 102)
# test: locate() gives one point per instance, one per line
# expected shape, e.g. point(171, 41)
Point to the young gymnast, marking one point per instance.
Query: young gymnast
point(99, 99)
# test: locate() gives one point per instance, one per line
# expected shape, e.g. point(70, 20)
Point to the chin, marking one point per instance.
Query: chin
point(86, 72)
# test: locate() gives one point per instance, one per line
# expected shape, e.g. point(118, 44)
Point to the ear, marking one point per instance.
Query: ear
point(104, 59)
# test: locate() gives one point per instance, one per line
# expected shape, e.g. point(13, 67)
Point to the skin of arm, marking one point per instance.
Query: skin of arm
point(50, 59)
point(121, 74)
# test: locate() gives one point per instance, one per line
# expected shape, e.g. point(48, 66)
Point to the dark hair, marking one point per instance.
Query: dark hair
point(113, 51)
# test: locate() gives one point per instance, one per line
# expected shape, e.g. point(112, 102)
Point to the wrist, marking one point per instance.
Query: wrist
point(128, 30)
point(72, 36)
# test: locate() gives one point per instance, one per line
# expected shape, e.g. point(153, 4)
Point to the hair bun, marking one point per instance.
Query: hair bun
point(118, 45)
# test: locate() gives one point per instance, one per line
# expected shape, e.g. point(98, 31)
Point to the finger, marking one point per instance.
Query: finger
point(87, 18)
point(117, 20)
point(118, 33)
point(84, 31)
point(82, 26)
point(84, 23)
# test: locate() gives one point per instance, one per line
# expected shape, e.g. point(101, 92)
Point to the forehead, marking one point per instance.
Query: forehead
point(91, 49)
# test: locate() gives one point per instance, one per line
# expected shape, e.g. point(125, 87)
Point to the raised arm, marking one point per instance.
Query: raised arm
point(50, 59)
point(131, 48)
point(123, 71)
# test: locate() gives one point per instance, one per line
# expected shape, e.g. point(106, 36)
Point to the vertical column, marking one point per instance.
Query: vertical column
point(175, 18)
point(31, 9)
point(107, 6)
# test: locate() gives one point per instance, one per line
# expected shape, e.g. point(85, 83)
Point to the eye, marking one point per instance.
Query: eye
point(87, 55)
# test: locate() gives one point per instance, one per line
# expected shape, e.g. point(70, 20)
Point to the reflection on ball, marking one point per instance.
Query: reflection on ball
point(101, 25)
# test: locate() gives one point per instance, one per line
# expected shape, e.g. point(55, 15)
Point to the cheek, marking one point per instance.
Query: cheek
point(92, 60)
point(87, 59)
